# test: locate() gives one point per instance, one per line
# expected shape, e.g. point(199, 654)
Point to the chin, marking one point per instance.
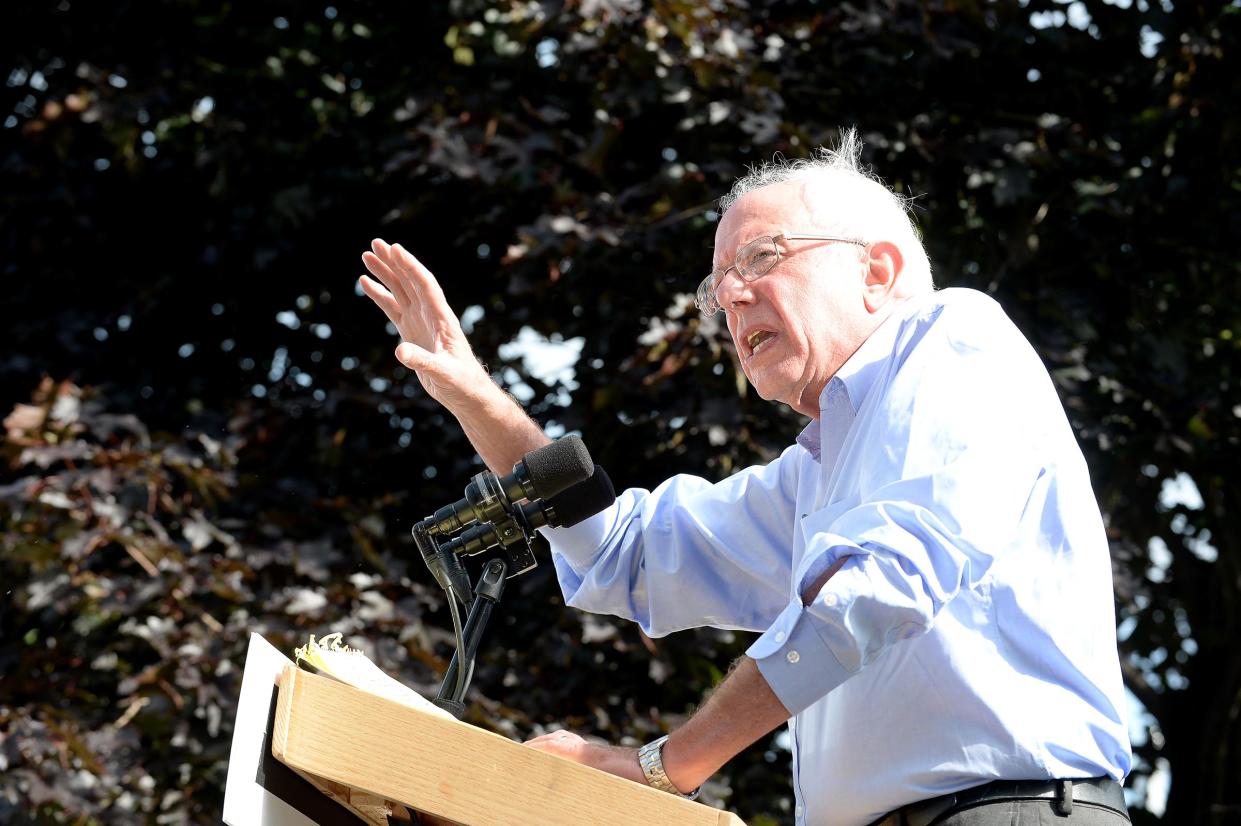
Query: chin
point(758, 386)
point(767, 389)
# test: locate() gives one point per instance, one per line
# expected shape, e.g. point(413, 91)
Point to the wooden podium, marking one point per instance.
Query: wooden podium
point(369, 753)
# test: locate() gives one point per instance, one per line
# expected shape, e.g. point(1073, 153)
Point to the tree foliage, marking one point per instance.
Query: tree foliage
point(185, 189)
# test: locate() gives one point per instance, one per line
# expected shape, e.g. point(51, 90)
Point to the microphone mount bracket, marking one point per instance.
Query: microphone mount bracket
point(511, 533)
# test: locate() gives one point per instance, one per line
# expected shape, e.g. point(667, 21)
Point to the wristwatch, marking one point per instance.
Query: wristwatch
point(651, 759)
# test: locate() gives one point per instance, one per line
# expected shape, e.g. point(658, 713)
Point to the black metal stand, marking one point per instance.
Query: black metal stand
point(487, 594)
point(511, 533)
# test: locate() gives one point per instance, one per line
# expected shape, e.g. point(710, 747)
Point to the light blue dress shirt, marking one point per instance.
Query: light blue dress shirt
point(969, 636)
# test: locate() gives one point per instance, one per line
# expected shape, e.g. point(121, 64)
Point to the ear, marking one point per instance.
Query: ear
point(883, 266)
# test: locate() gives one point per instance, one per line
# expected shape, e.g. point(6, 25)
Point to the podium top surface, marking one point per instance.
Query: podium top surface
point(453, 770)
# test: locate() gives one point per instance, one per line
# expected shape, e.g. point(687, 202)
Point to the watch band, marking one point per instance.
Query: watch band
point(651, 759)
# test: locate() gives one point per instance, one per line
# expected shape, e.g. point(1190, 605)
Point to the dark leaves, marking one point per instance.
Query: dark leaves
point(183, 212)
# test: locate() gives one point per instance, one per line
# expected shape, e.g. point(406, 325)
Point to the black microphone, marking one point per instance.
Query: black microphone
point(540, 474)
point(575, 504)
point(565, 509)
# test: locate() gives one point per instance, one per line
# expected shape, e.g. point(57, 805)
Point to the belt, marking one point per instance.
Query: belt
point(1096, 791)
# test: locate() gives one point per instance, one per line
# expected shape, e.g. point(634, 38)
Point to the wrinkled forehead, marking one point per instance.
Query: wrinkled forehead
point(789, 206)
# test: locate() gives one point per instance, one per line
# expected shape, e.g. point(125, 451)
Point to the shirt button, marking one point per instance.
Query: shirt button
point(797, 812)
point(779, 636)
point(792, 657)
point(829, 600)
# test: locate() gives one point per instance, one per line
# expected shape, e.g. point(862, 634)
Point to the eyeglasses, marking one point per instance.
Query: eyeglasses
point(754, 260)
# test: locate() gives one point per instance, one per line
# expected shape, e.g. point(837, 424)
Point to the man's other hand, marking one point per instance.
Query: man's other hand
point(617, 760)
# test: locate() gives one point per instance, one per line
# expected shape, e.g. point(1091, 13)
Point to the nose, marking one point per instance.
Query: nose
point(733, 290)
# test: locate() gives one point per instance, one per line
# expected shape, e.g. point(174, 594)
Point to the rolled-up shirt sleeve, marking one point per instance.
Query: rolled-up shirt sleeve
point(941, 499)
point(903, 563)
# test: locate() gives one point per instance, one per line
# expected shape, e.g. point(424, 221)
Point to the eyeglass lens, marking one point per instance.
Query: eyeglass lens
point(753, 260)
point(757, 258)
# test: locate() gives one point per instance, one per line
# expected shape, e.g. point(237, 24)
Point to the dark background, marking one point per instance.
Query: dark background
point(208, 435)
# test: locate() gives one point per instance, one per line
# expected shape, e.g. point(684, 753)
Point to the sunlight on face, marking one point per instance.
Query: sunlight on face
point(794, 327)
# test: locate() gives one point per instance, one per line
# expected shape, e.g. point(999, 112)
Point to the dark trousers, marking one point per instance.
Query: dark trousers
point(1032, 813)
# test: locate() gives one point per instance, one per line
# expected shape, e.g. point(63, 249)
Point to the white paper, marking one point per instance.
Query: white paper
point(246, 803)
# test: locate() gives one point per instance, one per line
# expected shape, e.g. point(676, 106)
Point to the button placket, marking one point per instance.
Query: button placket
point(799, 811)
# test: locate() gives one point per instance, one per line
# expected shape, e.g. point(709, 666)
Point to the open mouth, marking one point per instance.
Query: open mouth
point(757, 341)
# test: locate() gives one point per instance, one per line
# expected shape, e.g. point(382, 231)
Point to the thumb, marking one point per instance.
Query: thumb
point(412, 356)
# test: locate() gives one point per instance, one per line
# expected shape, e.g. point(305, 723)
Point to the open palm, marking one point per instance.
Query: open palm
point(433, 343)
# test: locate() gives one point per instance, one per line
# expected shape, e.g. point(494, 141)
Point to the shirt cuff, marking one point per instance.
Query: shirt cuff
point(579, 544)
point(794, 660)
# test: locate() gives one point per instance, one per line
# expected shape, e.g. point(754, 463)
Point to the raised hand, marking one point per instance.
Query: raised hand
point(435, 347)
point(433, 343)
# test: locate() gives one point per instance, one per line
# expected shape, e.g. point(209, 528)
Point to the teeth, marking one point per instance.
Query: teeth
point(757, 339)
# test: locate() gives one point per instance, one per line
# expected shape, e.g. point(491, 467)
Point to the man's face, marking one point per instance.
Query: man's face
point(794, 327)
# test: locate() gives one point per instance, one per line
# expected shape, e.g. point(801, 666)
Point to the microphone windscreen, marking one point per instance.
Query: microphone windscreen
point(581, 501)
point(560, 465)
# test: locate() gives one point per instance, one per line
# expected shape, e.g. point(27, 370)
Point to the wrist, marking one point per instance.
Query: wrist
point(652, 760)
point(474, 391)
point(497, 426)
point(681, 768)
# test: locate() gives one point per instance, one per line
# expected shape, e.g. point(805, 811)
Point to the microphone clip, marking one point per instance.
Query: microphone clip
point(443, 564)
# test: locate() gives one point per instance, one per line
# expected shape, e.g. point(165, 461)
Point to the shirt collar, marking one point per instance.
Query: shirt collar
point(856, 376)
point(809, 439)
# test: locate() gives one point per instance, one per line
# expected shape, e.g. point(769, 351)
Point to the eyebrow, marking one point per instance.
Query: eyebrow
point(768, 234)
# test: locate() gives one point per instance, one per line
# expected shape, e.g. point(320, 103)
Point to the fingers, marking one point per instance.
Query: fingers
point(375, 292)
point(417, 276)
point(413, 277)
point(414, 302)
point(563, 743)
point(418, 282)
point(380, 269)
point(383, 253)
point(550, 737)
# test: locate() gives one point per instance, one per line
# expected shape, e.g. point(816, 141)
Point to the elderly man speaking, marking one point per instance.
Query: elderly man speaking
point(927, 564)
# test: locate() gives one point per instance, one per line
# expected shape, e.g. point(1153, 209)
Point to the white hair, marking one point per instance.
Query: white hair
point(848, 198)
